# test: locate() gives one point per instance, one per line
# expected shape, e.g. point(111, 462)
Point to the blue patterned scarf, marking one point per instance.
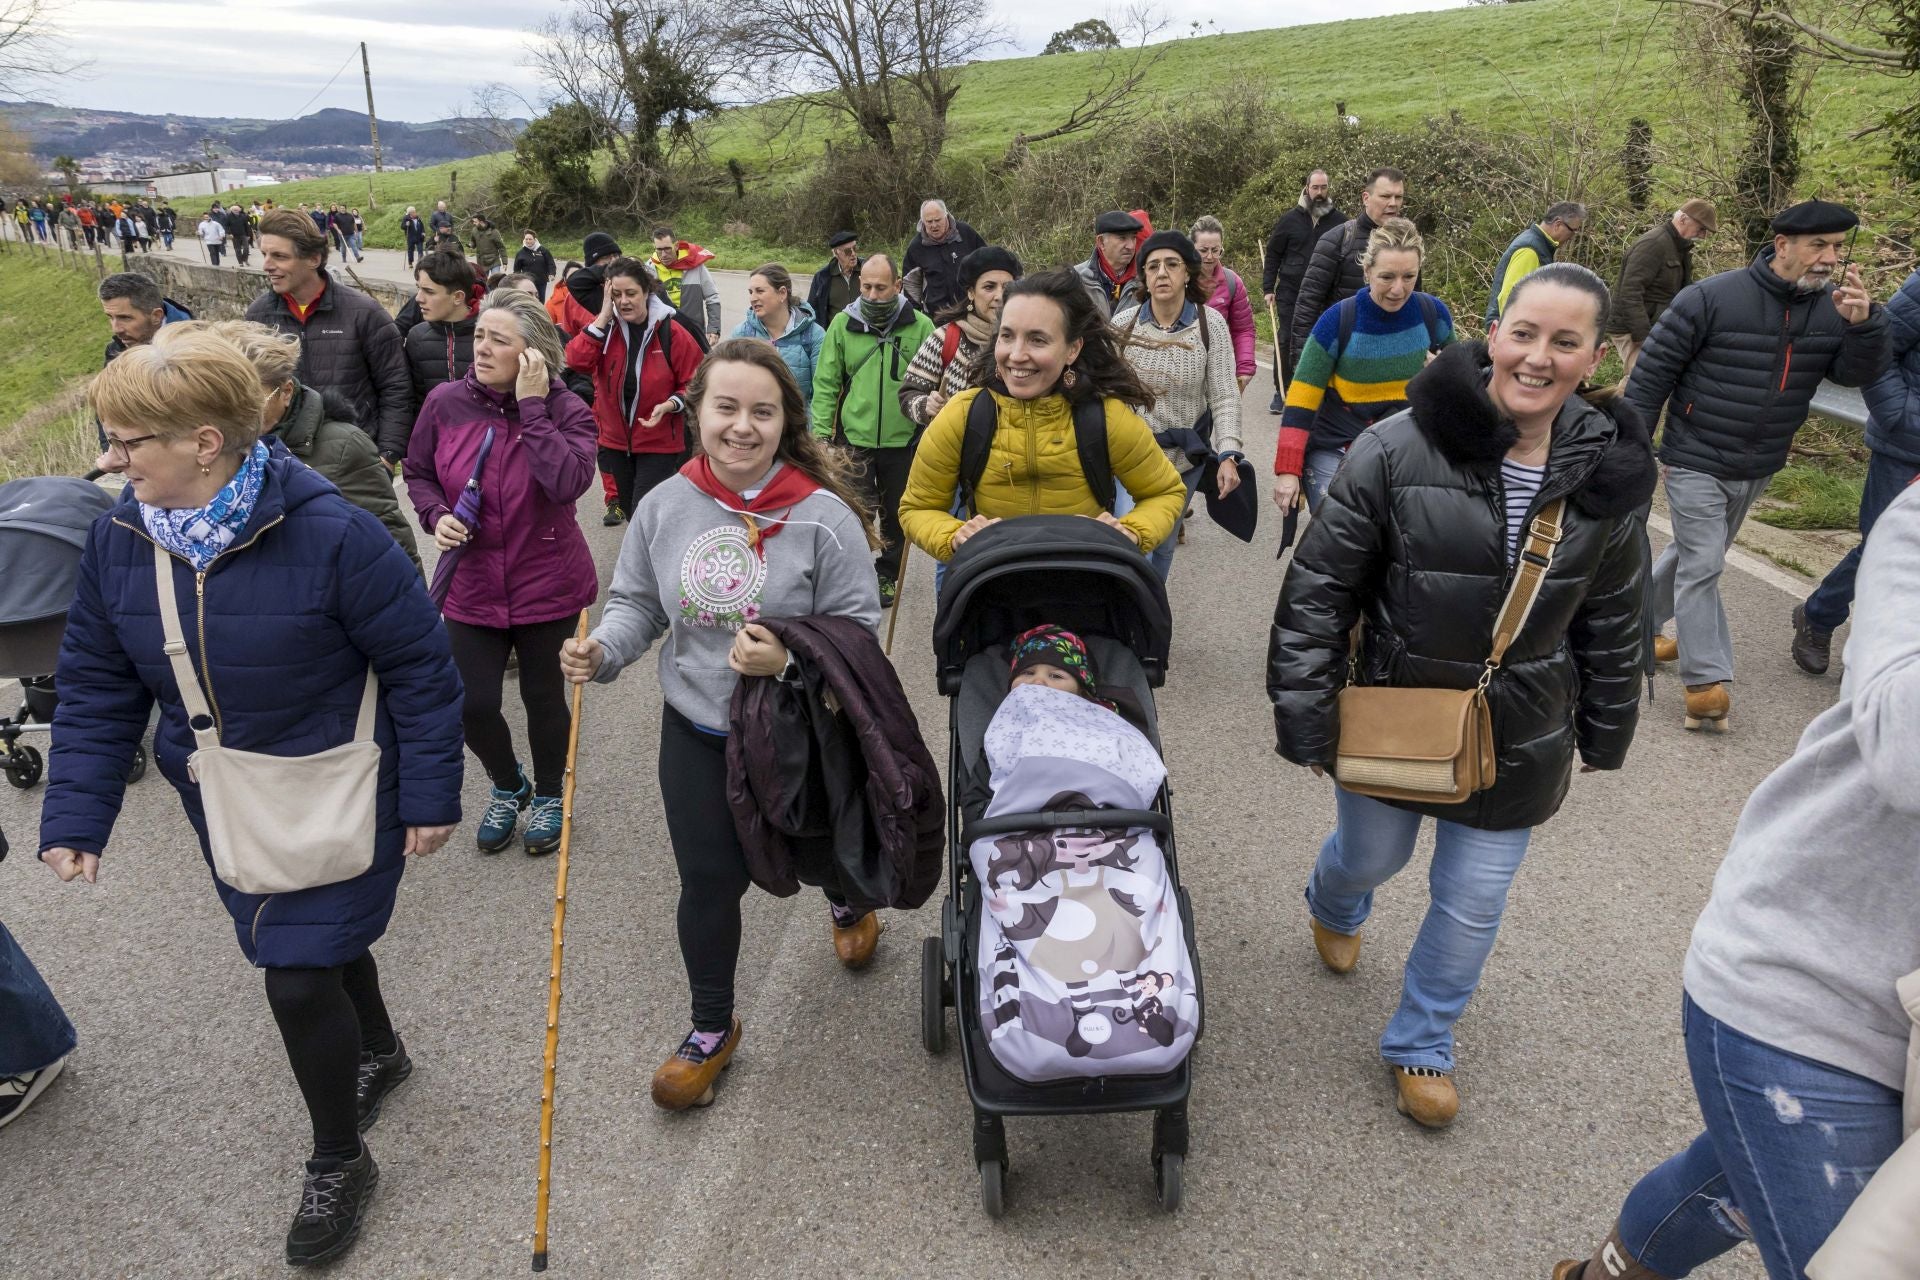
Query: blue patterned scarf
point(198, 534)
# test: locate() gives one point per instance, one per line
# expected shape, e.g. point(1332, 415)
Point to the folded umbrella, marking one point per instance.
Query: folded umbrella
point(466, 509)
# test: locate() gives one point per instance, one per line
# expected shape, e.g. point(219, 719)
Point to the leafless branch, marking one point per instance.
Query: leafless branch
point(33, 47)
point(1824, 43)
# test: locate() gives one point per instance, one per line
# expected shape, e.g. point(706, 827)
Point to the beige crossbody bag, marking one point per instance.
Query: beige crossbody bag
point(276, 823)
point(1436, 745)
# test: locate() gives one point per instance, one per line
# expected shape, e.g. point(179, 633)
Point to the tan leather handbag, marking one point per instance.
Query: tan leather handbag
point(276, 823)
point(1436, 745)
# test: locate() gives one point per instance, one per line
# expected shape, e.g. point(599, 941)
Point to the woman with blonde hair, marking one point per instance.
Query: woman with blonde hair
point(765, 520)
point(287, 600)
point(1354, 369)
point(316, 425)
point(525, 574)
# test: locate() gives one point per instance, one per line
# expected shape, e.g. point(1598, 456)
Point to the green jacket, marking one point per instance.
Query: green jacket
point(858, 374)
point(488, 247)
point(318, 429)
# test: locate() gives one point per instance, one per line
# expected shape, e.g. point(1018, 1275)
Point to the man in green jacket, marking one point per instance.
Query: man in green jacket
point(1658, 266)
point(488, 247)
point(856, 398)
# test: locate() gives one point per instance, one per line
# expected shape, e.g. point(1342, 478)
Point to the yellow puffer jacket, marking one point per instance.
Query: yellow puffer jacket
point(1033, 469)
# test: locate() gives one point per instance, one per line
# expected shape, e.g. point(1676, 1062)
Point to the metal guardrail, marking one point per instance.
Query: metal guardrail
point(1844, 403)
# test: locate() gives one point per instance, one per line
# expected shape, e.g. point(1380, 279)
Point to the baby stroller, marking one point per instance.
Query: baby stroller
point(43, 529)
point(1008, 577)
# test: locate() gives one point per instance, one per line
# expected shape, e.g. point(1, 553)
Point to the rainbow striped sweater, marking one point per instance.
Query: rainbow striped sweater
point(1335, 394)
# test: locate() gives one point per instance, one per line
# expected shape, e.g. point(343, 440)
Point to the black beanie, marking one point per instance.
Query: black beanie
point(598, 244)
point(1173, 240)
point(984, 259)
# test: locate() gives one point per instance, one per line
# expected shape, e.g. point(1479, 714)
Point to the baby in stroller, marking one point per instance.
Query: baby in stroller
point(1083, 958)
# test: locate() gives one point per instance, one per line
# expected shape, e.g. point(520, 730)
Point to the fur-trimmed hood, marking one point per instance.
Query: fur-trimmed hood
point(1602, 450)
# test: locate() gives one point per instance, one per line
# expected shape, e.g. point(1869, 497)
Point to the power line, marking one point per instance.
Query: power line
point(352, 54)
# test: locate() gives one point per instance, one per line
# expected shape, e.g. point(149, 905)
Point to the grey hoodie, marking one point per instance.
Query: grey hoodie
point(1815, 913)
point(687, 572)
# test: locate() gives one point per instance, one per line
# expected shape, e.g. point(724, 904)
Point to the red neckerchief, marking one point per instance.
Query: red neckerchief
point(300, 313)
point(1106, 269)
point(788, 488)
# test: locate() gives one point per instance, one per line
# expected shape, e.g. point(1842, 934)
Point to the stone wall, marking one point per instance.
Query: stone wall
point(223, 293)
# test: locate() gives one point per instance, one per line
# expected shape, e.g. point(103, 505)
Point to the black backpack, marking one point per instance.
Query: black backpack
point(1350, 316)
point(1089, 437)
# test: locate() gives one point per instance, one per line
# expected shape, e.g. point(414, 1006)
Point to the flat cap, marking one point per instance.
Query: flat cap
point(1702, 212)
point(1814, 217)
point(839, 238)
point(1116, 223)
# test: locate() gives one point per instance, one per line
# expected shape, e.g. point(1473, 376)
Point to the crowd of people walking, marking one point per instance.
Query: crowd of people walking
point(1476, 572)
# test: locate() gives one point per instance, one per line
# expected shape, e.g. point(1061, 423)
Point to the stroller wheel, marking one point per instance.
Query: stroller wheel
point(138, 769)
point(24, 767)
point(993, 1188)
point(1168, 1171)
point(933, 1005)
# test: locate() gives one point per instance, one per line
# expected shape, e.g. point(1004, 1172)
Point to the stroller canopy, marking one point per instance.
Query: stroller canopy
point(1068, 570)
point(43, 529)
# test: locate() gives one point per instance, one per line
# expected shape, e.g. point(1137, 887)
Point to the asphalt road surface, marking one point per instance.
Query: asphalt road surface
point(171, 1147)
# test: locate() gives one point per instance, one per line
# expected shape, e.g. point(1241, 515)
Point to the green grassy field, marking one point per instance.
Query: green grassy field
point(51, 335)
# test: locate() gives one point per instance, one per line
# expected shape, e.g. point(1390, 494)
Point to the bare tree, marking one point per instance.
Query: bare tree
point(493, 115)
point(32, 46)
point(875, 63)
point(1114, 98)
point(644, 70)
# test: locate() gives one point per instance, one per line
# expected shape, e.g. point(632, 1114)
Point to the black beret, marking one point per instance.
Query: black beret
point(1814, 217)
point(984, 259)
point(839, 238)
point(1175, 241)
point(1116, 223)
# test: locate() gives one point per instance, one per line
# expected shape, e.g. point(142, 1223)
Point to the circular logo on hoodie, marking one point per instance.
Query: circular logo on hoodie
point(721, 579)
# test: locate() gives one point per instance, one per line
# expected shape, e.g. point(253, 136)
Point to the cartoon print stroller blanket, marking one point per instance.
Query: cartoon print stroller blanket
point(1082, 957)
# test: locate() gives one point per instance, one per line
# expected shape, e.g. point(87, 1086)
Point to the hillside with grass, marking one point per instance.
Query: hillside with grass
point(51, 335)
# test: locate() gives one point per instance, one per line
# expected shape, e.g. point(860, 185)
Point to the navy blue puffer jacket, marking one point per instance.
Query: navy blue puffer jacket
point(311, 591)
point(1893, 403)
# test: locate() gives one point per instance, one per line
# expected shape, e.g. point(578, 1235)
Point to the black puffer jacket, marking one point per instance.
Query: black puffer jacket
point(1412, 537)
point(1736, 360)
point(438, 353)
point(1333, 274)
point(349, 342)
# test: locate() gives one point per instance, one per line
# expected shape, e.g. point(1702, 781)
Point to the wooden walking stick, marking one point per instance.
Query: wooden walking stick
point(1273, 320)
point(899, 589)
point(553, 981)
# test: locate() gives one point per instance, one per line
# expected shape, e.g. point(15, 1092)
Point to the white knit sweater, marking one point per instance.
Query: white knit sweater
point(1187, 375)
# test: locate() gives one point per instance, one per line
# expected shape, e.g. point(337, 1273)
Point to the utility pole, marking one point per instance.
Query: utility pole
point(373, 124)
point(213, 166)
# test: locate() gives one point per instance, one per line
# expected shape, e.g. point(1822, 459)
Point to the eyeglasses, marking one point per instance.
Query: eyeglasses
point(1212, 253)
point(121, 451)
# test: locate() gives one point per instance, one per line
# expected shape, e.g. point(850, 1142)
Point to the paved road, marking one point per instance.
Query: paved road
point(838, 1145)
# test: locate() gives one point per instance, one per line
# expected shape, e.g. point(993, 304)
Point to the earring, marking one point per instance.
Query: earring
point(206, 471)
point(1069, 378)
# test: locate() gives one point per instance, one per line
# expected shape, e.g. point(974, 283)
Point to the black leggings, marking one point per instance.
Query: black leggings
point(327, 1018)
point(712, 865)
point(635, 474)
point(481, 655)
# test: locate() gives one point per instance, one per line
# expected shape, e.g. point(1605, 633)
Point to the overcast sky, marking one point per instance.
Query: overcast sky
point(269, 60)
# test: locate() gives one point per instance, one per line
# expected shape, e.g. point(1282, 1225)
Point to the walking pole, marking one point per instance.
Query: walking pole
point(553, 981)
point(899, 589)
point(1273, 320)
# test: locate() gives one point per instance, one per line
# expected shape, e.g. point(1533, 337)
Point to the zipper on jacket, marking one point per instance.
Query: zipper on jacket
point(200, 621)
point(1033, 457)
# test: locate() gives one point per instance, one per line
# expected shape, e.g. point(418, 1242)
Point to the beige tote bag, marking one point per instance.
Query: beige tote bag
point(276, 823)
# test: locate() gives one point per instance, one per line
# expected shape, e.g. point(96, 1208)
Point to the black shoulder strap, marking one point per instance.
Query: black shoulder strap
point(1090, 439)
point(1348, 236)
point(983, 419)
point(1349, 317)
point(1431, 314)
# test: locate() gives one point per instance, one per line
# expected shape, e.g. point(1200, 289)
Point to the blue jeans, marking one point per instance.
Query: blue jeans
point(1471, 872)
point(1161, 557)
point(1320, 468)
point(1789, 1144)
point(34, 1031)
point(1832, 600)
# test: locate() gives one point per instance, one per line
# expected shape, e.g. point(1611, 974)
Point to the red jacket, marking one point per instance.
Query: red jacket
point(660, 378)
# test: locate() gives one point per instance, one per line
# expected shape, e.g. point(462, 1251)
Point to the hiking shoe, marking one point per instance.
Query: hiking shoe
point(1666, 649)
point(686, 1079)
point(502, 815)
point(1708, 707)
point(380, 1076)
point(889, 592)
point(18, 1092)
point(1425, 1096)
point(613, 517)
point(333, 1200)
point(1812, 646)
point(854, 943)
point(543, 826)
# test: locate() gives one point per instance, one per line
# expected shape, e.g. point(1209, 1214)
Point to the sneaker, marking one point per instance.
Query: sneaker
point(686, 1079)
point(543, 826)
point(1812, 646)
point(18, 1092)
point(380, 1076)
point(889, 592)
point(613, 517)
point(502, 815)
point(333, 1200)
point(1278, 404)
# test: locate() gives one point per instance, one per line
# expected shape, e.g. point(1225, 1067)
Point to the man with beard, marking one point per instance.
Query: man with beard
point(1735, 362)
point(1110, 275)
point(1289, 245)
point(1333, 271)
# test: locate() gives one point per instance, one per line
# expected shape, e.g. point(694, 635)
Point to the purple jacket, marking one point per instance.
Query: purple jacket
point(529, 562)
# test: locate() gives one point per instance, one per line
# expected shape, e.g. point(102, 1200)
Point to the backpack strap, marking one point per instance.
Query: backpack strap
point(983, 419)
point(1431, 314)
point(1090, 440)
point(1349, 311)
